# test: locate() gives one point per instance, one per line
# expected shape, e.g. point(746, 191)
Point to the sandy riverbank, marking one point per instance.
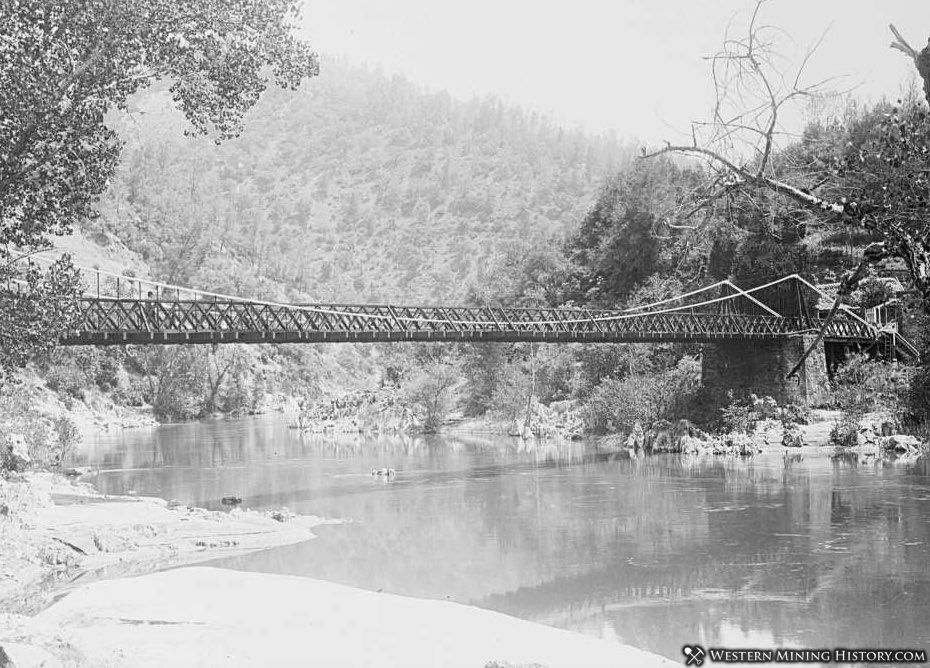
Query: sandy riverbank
point(55, 532)
point(213, 617)
point(83, 585)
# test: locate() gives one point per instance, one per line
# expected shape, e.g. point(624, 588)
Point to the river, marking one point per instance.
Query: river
point(654, 552)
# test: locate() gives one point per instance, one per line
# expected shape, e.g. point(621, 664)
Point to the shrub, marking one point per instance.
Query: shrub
point(918, 396)
point(737, 417)
point(430, 391)
point(863, 384)
point(65, 438)
point(846, 430)
point(172, 381)
point(511, 394)
point(616, 404)
point(872, 292)
point(796, 413)
point(66, 378)
point(29, 438)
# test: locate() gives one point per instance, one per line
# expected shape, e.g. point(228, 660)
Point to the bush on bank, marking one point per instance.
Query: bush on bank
point(616, 404)
point(30, 438)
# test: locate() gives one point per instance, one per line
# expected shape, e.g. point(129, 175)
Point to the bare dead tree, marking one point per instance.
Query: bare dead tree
point(921, 59)
point(752, 89)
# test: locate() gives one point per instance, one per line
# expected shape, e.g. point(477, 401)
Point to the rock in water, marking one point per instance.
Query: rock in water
point(901, 443)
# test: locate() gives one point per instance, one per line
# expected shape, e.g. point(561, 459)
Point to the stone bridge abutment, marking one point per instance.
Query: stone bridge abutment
point(760, 367)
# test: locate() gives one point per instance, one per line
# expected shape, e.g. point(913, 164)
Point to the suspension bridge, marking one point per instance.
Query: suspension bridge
point(119, 309)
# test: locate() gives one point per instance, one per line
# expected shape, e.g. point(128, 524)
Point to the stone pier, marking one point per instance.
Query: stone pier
point(761, 367)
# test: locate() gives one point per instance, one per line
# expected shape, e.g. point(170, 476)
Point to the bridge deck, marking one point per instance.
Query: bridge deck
point(111, 321)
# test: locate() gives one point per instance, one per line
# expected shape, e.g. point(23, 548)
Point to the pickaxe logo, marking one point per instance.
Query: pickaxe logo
point(694, 655)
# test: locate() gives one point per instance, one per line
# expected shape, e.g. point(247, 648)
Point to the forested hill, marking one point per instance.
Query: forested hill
point(356, 187)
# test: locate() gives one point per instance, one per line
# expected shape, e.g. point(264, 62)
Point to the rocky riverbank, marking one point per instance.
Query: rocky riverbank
point(828, 433)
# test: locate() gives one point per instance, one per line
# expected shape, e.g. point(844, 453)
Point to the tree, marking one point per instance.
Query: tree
point(921, 58)
point(65, 63)
point(431, 390)
point(173, 380)
point(618, 244)
point(738, 147)
point(34, 309)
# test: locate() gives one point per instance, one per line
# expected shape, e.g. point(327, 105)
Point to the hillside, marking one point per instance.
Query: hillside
point(357, 187)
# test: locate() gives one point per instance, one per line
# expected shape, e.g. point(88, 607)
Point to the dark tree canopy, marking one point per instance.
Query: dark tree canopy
point(32, 316)
point(65, 63)
point(624, 238)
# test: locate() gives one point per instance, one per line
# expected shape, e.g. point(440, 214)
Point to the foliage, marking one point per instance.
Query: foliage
point(862, 384)
point(872, 292)
point(64, 65)
point(70, 371)
point(230, 383)
point(30, 438)
point(430, 391)
point(889, 179)
point(35, 311)
point(615, 404)
point(65, 436)
point(618, 245)
point(531, 271)
point(797, 414)
point(845, 431)
point(737, 417)
point(482, 367)
point(173, 380)
point(512, 394)
point(437, 197)
point(501, 377)
point(918, 396)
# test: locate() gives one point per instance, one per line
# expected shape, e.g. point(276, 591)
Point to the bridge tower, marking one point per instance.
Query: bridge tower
point(761, 367)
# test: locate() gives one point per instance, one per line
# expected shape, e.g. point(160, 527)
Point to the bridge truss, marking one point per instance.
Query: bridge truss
point(117, 309)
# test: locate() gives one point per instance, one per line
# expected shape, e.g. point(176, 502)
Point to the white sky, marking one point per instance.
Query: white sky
point(634, 66)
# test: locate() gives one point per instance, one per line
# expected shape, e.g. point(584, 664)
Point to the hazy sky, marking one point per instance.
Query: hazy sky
point(631, 65)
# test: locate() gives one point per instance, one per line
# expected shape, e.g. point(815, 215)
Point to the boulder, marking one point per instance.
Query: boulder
point(637, 438)
point(281, 515)
point(658, 438)
point(900, 443)
point(868, 433)
point(19, 452)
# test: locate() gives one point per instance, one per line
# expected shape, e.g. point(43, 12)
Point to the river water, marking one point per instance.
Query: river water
point(653, 552)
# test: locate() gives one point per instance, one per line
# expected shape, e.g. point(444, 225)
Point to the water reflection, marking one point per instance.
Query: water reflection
point(655, 552)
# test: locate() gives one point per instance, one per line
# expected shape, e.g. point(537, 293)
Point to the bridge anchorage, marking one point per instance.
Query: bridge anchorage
point(754, 336)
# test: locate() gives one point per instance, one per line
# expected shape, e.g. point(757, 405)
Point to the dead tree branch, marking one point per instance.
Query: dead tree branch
point(921, 58)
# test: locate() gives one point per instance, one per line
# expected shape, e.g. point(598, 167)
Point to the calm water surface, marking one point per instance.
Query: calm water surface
point(652, 552)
